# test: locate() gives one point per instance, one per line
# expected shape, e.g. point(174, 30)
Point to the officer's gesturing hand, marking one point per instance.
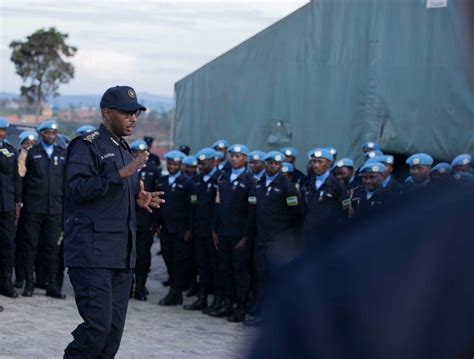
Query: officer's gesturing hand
point(187, 236)
point(242, 244)
point(215, 239)
point(137, 164)
point(147, 200)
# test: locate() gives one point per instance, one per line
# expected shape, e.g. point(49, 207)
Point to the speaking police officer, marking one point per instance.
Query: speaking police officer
point(10, 193)
point(102, 190)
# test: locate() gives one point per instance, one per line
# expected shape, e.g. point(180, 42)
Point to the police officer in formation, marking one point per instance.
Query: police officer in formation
point(175, 218)
point(41, 219)
point(10, 199)
point(146, 222)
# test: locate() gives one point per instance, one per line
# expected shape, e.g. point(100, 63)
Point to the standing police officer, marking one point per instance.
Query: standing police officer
point(175, 218)
point(10, 193)
point(149, 175)
point(102, 190)
point(233, 229)
point(420, 169)
point(278, 214)
point(43, 205)
point(323, 198)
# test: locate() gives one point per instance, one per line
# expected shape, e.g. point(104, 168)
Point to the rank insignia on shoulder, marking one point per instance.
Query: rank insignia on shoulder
point(194, 198)
point(92, 136)
point(253, 200)
point(346, 203)
point(292, 201)
point(6, 153)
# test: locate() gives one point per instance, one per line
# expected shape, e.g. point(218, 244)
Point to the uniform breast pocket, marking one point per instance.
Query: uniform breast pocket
point(110, 238)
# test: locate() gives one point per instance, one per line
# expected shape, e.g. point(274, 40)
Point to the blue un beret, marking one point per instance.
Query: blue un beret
point(420, 159)
point(287, 167)
point(442, 167)
point(190, 161)
point(274, 156)
point(122, 98)
point(257, 156)
point(206, 154)
point(4, 123)
point(385, 159)
point(48, 125)
point(27, 135)
point(84, 129)
point(238, 148)
point(373, 167)
point(221, 144)
point(461, 160)
point(345, 162)
point(373, 153)
point(332, 150)
point(321, 153)
point(176, 156)
point(139, 145)
point(371, 146)
point(289, 151)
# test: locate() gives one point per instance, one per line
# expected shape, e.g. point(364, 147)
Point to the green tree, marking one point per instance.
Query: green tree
point(40, 61)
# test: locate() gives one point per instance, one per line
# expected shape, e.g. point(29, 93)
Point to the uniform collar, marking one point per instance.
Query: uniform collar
point(209, 175)
point(116, 140)
point(323, 178)
point(176, 175)
point(259, 175)
point(386, 181)
point(237, 171)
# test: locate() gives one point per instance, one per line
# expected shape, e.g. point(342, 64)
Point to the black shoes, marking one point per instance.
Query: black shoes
point(253, 321)
point(174, 297)
point(216, 302)
point(238, 315)
point(224, 310)
point(199, 304)
point(18, 283)
point(53, 292)
point(140, 296)
point(166, 283)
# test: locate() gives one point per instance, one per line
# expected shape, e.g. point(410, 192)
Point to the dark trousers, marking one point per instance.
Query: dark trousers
point(144, 243)
point(234, 269)
point(101, 299)
point(177, 252)
point(7, 240)
point(47, 228)
point(265, 268)
point(208, 265)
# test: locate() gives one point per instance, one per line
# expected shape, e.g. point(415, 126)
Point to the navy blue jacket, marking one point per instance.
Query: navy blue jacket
point(323, 207)
point(205, 206)
point(99, 205)
point(43, 182)
point(235, 206)
point(176, 214)
point(10, 181)
point(279, 209)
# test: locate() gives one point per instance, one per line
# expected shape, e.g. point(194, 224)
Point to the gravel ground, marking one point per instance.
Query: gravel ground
point(40, 327)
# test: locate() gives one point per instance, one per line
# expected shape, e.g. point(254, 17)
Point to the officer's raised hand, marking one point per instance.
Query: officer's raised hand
point(148, 200)
point(242, 244)
point(137, 164)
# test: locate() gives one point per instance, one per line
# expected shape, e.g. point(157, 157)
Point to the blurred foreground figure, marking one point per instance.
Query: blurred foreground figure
point(400, 285)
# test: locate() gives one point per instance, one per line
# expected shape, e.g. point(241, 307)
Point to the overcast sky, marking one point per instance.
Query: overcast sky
point(147, 44)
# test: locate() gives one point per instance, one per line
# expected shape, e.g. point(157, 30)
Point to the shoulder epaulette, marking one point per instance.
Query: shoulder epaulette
point(91, 137)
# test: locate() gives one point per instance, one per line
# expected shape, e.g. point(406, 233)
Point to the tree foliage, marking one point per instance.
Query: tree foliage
point(41, 63)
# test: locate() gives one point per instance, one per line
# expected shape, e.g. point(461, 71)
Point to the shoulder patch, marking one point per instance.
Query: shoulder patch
point(253, 200)
point(292, 201)
point(194, 198)
point(92, 136)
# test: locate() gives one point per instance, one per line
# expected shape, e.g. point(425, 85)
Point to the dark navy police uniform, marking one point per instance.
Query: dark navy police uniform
point(99, 232)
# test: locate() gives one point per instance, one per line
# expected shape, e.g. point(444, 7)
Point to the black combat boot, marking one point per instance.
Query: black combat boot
point(1, 308)
point(53, 291)
point(224, 310)
point(174, 297)
point(29, 284)
point(238, 315)
point(139, 293)
point(216, 303)
point(6, 285)
point(198, 304)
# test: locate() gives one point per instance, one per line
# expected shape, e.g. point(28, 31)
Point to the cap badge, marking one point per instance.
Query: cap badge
point(442, 170)
point(237, 148)
point(375, 168)
point(340, 164)
point(131, 93)
point(288, 152)
point(416, 161)
point(255, 157)
point(318, 154)
point(370, 145)
point(202, 157)
point(277, 158)
point(465, 161)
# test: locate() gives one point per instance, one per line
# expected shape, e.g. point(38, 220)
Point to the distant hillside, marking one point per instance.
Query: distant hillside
point(153, 102)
